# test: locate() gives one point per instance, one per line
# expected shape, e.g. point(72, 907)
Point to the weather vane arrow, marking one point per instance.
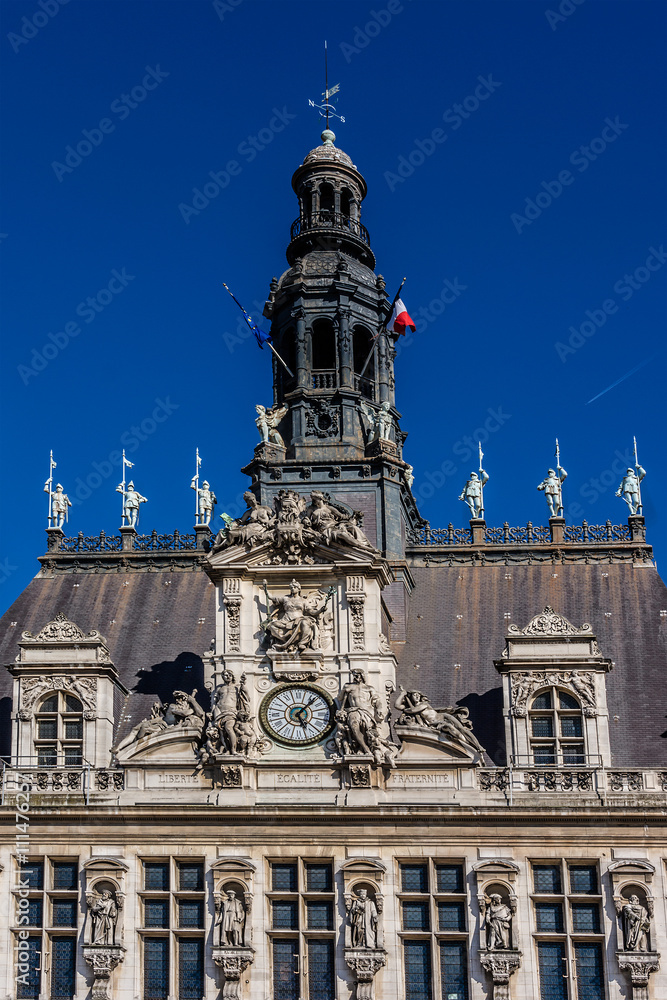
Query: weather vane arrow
point(327, 109)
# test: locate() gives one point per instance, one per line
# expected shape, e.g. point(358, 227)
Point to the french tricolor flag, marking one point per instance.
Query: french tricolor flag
point(400, 319)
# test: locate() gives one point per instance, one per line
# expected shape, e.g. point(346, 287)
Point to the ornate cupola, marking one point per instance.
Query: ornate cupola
point(333, 424)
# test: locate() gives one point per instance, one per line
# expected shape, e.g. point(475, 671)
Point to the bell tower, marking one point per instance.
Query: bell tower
point(339, 426)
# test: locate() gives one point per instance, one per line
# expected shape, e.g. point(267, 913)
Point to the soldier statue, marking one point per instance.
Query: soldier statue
point(629, 489)
point(206, 501)
point(473, 493)
point(552, 487)
point(60, 504)
point(131, 502)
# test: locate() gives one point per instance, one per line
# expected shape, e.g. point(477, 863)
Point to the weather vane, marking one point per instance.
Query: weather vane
point(327, 109)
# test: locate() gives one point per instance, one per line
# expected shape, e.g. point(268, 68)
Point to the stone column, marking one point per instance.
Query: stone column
point(346, 354)
point(302, 372)
point(383, 368)
point(128, 535)
point(557, 526)
point(54, 538)
point(639, 965)
point(501, 964)
point(478, 529)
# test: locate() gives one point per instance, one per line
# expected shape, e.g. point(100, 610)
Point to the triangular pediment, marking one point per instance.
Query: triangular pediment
point(266, 555)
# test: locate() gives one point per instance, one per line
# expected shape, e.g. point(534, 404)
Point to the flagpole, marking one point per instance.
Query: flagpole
point(640, 507)
point(253, 327)
point(383, 328)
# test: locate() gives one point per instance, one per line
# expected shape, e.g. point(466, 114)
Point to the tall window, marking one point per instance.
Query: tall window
point(59, 731)
point(556, 729)
point(173, 929)
point(323, 340)
point(568, 931)
point(52, 912)
point(301, 905)
point(433, 930)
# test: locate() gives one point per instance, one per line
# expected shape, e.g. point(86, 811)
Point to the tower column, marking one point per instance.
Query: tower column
point(345, 348)
point(301, 357)
point(383, 368)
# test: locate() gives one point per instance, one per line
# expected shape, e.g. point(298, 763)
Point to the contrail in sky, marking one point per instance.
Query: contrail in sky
point(621, 379)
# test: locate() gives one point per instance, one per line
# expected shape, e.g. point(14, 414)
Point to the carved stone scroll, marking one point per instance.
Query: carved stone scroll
point(103, 961)
point(233, 962)
point(549, 622)
point(639, 968)
point(365, 963)
point(501, 965)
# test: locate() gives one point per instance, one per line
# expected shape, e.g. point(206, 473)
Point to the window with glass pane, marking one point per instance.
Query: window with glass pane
point(585, 918)
point(33, 874)
point(573, 753)
point(549, 917)
point(566, 701)
point(59, 718)
point(35, 912)
point(545, 754)
point(542, 726)
point(28, 986)
point(571, 727)
point(454, 970)
point(190, 877)
point(590, 982)
point(542, 701)
point(47, 729)
point(449, 878)
point(584, 879)
point(47, 756)
point(156, 876)
point(73, 757)
point(284, 915)
point(190, 913)
point(156, 968)
point(451, 917)
point(284, 878)
point(414, 878)
point(65, 874)
point(63, 966)
point(49, 704)
point(156, 913)
point(319, 916)
point(286, 969)
point(190, 968)
point(551, 962)
point(321, 970)
point(417, 956)
point(415, 917)
point(73, 730)
point(547, 878)
point(318, 878)
point(63, 912)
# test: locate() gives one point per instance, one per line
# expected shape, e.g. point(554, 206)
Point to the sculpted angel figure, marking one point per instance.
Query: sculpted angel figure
point(267, 423)
point(249, 529)
point(380, 420)
point(334, 525)
point(294, 623)
point(417, 710)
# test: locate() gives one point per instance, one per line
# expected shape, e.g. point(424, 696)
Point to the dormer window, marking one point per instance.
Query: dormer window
point(556, 729)
point(59, 731)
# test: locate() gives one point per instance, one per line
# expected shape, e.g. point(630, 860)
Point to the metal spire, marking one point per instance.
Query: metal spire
point(327, 109)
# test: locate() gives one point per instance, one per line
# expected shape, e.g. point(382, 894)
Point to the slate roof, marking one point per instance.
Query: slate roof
point(158, 624)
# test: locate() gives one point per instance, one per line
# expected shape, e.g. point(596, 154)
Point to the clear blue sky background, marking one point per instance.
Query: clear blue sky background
point(169, 333)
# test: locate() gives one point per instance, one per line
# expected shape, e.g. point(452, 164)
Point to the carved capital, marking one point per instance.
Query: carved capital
point(639, 965)
point(364, 963)
point(233, 962)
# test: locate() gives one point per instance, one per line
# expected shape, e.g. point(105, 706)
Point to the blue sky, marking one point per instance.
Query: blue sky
point(515, 159)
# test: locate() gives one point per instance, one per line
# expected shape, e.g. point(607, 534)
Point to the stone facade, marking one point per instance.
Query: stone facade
point(317, 782)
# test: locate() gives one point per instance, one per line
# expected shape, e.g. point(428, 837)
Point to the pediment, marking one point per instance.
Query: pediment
point(175, 745)
point(418, 743)
point(266, 555)
point(496, 866)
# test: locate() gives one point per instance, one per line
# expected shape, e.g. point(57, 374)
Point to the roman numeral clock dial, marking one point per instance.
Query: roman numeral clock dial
point(297, 715)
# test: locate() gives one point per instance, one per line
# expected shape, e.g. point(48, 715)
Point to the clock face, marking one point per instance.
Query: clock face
point(297, 715)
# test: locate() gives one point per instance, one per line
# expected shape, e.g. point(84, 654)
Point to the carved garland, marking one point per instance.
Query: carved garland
point(358, 630)
point(85, 688)
point(525, 683)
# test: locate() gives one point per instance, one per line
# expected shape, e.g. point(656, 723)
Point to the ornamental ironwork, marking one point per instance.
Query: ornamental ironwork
point(155, 542)
point(92, 543)
point(529, 535)
point(329, 220)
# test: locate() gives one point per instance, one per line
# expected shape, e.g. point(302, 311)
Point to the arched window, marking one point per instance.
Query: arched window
point(362, 343)
point(345, 204)
point(324, 355)
point(287, 350)
point(59, 731)
point(556, 729)
point(327, 203)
